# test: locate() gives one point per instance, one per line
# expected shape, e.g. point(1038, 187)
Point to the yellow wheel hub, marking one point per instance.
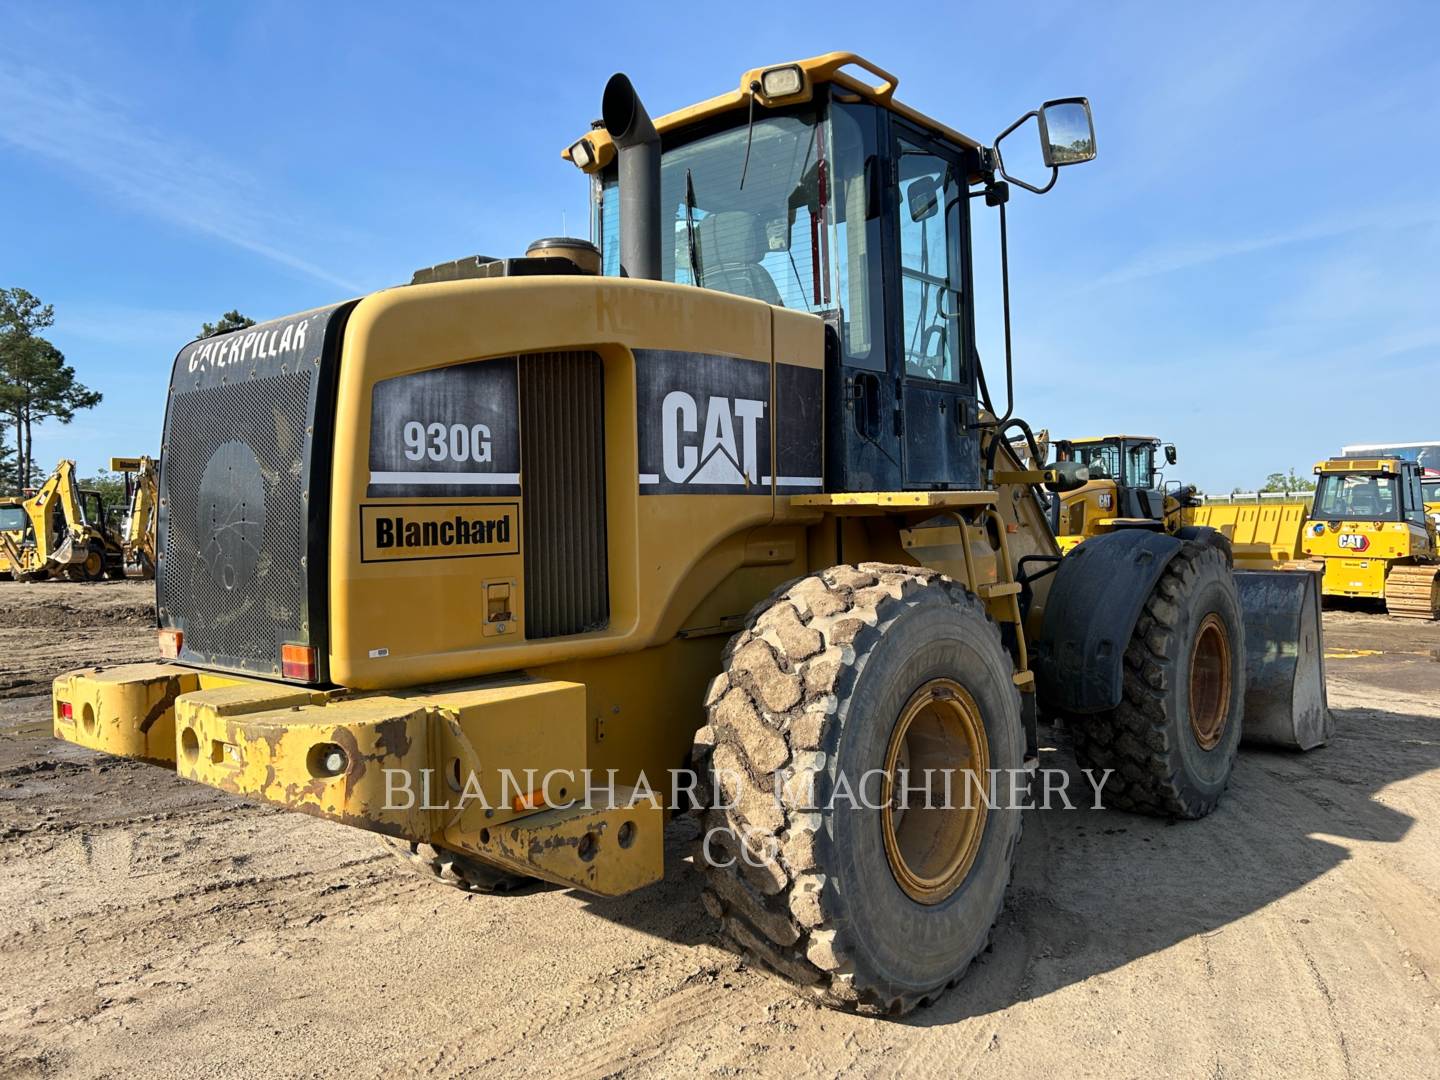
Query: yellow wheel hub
point(933, 830)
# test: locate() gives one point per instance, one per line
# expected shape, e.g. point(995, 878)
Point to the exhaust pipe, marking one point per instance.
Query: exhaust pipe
point(638, 146)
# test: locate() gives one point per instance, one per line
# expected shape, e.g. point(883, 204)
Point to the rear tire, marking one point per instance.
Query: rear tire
point(93, 568)
point(841, 673)
point(454, 869)
point(1172, 740)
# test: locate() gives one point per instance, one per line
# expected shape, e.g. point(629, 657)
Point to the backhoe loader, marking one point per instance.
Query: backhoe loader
point(60, 532)
point(142, 499)
point(482, 563)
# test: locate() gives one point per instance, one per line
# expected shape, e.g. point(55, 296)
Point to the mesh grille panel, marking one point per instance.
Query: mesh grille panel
point(234, 537)
point(562, 461)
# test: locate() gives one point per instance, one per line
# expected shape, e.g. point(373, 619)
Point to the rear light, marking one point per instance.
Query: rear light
point(67, 711)
point(170, 642)
point(298, 662)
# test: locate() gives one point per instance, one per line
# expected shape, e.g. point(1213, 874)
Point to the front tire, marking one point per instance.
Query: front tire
point(843, 675)
point(1173, 738)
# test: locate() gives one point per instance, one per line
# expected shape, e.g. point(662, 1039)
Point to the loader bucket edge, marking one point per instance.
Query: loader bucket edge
point(1285, 702)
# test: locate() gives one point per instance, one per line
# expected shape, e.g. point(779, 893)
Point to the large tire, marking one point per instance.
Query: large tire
point(1172, 740)
point(455, 869)
point(93, 568)
point(818, 687)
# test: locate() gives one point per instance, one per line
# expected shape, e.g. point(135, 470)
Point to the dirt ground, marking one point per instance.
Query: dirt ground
point(154, 927)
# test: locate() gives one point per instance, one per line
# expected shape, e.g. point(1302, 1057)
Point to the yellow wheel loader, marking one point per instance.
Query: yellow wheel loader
point(1123, 489)
point(1370, 528)
point(142, 503)
point(485, 563)
point(60, 532)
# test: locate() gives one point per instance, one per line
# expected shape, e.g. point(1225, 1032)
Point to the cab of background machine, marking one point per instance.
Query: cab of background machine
point(813, 189)
point(1368, 509)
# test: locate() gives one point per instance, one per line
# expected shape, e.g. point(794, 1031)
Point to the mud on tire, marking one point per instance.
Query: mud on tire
point(1178, 678)
point(455, 869)
point(810, 691)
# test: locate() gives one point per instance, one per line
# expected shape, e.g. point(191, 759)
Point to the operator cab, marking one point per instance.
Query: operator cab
point(813, 189)
point(1128, 461)
point(1360, 490)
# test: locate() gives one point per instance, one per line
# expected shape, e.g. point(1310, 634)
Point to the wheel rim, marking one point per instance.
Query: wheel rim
point(1210, 682)
point(94, 565)
point(931, 848)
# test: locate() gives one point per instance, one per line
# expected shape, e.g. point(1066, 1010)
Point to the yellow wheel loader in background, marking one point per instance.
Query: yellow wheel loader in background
point(476, 562)
point(1123, 489)
point(60, 532)
point(142, 505)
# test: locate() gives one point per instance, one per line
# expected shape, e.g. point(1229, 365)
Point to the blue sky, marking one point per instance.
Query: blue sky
point(1251, 268)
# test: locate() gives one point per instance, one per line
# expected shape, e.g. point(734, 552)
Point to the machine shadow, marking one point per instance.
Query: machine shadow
point(1094, 890)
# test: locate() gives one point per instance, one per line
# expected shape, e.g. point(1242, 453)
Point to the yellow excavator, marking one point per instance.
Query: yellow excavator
point(142, 505)
point(61, 532)
point(474, 563)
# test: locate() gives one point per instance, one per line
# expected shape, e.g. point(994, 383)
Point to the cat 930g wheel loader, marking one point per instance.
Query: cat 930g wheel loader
point(725, 488)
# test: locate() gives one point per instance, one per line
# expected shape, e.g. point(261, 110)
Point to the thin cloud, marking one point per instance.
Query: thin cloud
point(61, 119)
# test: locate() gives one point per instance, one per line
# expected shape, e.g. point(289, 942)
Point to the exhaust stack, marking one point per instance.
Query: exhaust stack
point(638, 146)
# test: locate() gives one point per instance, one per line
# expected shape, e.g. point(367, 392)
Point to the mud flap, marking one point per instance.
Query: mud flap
point(1285, 704)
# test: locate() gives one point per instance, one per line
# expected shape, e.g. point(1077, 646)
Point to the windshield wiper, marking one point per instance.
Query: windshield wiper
point(690, 228)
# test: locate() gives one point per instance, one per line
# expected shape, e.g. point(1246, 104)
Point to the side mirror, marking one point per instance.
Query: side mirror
point(923, 198)
point(1067, 132)
point(1170, 455)
point(1065, 476)
point(1067, 137)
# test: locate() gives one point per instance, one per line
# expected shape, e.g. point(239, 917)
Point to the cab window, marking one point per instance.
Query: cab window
point(1140, 465)
point(1363, 498)
point(13, 518)
point(930, 320)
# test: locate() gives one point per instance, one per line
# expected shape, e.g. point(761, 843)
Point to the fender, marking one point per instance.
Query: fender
point(1098, 594)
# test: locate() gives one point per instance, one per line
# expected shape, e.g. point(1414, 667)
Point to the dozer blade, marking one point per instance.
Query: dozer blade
point(1412, 591)
point(1285, 703)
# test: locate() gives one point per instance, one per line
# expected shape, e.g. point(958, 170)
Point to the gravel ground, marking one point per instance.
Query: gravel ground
point(155, 927)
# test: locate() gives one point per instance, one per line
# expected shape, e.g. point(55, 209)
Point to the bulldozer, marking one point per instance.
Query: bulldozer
point(1122, 490)
point(60, 532)
point(713, 513)
point(142, 499)
point(1370, 531)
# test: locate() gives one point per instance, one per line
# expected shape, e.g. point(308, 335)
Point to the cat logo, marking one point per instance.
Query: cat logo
point(722, 450)
point(714, 425)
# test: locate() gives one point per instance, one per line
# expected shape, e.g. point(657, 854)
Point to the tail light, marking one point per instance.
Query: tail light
point(67, 711)
point(170, 642)
point(298, 662)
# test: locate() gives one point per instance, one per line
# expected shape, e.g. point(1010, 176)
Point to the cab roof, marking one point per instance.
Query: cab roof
point(1091, 440)
point(1362, 465)
point(817, 70)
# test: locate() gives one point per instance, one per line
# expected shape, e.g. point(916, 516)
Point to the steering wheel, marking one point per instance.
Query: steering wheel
point(932, 361)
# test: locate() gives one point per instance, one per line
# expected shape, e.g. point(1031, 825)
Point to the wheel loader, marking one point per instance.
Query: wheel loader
point(713, 513)
point(60, 532)
point(1122, 491)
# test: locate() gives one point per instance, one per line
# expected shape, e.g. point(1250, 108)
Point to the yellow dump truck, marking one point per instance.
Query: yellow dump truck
point(474, 563)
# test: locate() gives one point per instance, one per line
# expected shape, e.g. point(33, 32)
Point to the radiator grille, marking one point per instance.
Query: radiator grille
point(562, 462)
point(232, 564)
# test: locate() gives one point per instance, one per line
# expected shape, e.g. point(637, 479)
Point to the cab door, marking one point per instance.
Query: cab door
point(931, 348)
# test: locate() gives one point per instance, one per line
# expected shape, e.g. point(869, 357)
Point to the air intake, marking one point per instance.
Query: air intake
point(562, 462)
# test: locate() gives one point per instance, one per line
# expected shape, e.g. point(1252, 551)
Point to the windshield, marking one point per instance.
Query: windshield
point(1102, 459)
point(761, 211)
point(1356, 497)
point(1432, 491)
point(12, 518)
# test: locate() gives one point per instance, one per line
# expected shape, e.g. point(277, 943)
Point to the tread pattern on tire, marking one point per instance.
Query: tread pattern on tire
point(454, 869)
point(775, 706)
point(1135, 738)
